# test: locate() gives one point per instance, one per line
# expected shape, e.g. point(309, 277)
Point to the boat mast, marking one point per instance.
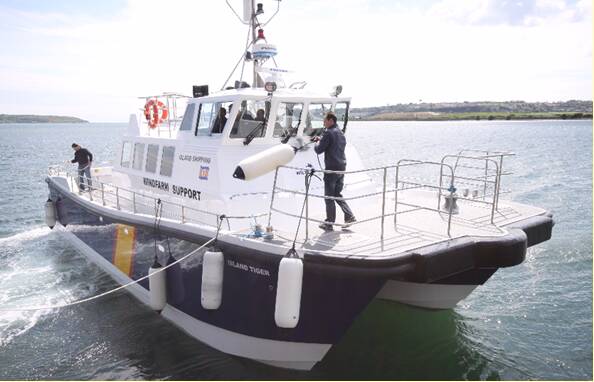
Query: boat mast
point(253, 25)
point(260, 50)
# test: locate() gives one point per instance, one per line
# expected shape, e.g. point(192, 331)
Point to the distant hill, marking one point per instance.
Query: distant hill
point(574, 109)
point(21, 118)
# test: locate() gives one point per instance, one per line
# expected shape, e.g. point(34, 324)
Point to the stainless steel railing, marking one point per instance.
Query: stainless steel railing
point(136, 202)
point(382, 215)
point(487, 175)
point(445, 186)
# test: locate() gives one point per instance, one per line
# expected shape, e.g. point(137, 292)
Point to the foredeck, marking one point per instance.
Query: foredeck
point(414, 228)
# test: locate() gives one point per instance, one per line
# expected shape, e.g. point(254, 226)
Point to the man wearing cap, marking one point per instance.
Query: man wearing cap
point(84, 158)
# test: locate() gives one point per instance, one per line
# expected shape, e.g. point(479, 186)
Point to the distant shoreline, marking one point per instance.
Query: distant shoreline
point(422, 111)
point(482, 110)
point(29, 118)
point(479, 116)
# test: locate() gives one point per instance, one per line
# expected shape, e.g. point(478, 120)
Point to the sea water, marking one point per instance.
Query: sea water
point(532, 321)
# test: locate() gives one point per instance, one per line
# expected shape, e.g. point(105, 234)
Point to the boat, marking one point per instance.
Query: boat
point(210, 215)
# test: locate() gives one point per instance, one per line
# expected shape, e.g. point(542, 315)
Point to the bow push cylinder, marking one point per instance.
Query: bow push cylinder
point(264, 162)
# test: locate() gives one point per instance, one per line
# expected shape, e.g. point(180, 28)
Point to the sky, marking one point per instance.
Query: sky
point(93, 59)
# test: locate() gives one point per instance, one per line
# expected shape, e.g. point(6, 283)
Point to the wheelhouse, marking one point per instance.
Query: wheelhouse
point(256, 117)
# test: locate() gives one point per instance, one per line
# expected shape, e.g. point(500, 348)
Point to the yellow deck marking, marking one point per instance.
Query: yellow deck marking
point(123, 252)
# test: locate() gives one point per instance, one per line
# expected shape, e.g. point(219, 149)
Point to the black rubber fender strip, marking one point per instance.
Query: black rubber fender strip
point(403, 271)
point(538, 229)
point(427, 264)
point(502, 252)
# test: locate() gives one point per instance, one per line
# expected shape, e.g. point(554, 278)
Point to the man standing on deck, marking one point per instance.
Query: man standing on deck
point(84, 158)
point(332, 145)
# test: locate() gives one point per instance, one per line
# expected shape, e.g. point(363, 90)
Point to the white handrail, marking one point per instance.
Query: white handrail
point(108, 189)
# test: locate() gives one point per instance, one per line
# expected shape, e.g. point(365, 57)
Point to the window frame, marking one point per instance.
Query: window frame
point(139, 166)
point(156, 158)
point(299, 121)
point(164, 162)
point(346, 113)
point(191, 108)
point(330, 108)
point(127, 163)
point(217, 106)
point(238, 117)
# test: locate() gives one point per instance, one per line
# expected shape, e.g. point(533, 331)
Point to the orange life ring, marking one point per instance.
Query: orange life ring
point(155, 112)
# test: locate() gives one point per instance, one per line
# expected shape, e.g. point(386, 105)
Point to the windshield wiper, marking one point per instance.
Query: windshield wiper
point(250, 137)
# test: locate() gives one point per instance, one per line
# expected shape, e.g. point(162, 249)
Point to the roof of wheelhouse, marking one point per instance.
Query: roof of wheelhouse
point(260, 93)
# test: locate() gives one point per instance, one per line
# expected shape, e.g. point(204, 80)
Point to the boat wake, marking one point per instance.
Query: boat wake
point(28, 280)
point(21, 237)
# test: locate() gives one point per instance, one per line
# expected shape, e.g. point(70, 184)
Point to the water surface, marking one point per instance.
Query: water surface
point(532, 321)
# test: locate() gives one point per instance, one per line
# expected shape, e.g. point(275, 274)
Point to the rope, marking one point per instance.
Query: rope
point(158, 213)
point(64, 305)
point(293, 252)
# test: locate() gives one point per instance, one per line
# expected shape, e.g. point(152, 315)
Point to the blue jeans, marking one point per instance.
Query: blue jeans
point(333, 184)
point(84, 173)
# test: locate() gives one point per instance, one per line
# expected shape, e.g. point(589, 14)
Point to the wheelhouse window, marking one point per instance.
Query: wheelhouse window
point(212, 117)
point(138, 156)
point(314, 121)
point(126, 154)
point(206, 114)
point(341, 110)
point(250, 119)
point(223, 109)
point(152, 154)
point(288, 119)
point(188, 120)
point(167, 160)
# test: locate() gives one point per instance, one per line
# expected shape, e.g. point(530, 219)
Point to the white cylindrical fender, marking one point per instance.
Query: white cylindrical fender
point(157, 287)
point(212, 279)
point(288, 292)
point(264, 162)
point(50, 213)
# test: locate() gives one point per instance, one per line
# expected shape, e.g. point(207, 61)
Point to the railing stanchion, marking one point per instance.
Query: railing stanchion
point(495, 194)
point(384, 204)
point(306, 211)
point(133, 201)
point(272, 196)
point(441, 182)
point(499, 171)
point(183, 214)
point(90, 187)
point(103, 193)
point(118, 198)
point(486, 176)
point(451, 208)
point(396, 197)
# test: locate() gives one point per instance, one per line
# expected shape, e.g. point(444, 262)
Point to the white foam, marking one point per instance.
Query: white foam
point(21, 237)
point(14, 324)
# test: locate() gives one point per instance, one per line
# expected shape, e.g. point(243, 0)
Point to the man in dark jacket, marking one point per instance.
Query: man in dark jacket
point(220, 121)
point(332, 145)
point(84, 158)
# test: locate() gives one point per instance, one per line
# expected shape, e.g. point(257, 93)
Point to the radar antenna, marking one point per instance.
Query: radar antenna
point(257, 49)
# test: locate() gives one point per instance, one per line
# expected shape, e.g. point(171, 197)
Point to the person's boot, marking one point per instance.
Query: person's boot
point(348, 222)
